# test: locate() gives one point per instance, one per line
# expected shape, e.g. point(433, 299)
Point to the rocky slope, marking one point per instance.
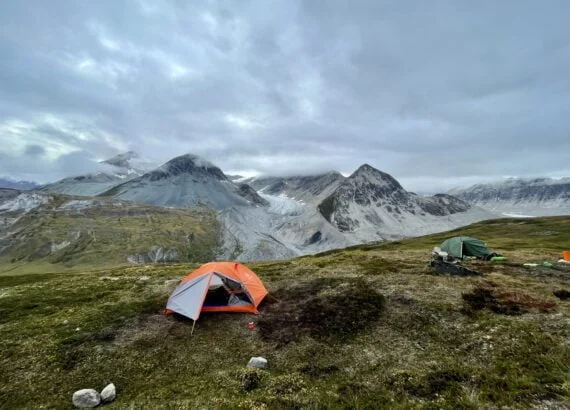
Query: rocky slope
point(372, 205)
point(284, 229)
point(534, 197)
point(186, 181)
point(86, 185)
point(311, 188)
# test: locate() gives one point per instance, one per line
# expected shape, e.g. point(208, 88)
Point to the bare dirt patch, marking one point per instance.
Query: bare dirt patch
point(504, 301)
point(325, 309)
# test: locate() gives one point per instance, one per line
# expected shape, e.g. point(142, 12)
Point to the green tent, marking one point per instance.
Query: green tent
point(461, 246)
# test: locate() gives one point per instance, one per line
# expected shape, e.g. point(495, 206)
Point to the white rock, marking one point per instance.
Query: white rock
point(108, 394)
point(86, 398)
point(65, 322)
point(257, 362)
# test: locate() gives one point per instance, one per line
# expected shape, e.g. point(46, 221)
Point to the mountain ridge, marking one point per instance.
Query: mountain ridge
point(270, 217)
point(12, 183)
point(373, 203)
point(533, 196)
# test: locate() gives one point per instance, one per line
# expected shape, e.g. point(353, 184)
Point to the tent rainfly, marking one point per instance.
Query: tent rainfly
point(461, 246)
point(217, 287)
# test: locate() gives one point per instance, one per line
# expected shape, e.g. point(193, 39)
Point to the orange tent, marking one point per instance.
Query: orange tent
point(217, 287)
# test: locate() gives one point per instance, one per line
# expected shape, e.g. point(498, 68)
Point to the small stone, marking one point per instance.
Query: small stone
point(257, 363)
point(108, 394)
point(65, 322)
point(86, 398)
point(77, 329)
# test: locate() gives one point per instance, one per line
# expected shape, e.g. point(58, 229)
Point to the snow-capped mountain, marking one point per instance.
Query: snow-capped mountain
point(186, 181)
point(315, 213)
point(114, 171)
point(372, 205)
point(131, 163)
point(15, 184)
point(515, 196)
point(278, 217)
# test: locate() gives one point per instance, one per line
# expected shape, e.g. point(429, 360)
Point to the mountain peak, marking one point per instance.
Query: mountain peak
point(367, 173)
point(189, 164)
point(365, 167)
point(122, 160)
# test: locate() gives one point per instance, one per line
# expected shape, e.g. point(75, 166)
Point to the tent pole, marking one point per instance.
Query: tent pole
point(192, 331)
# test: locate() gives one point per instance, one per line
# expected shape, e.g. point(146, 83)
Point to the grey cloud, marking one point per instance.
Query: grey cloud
point(44, 170)
point(34, 150)
point(434, 93)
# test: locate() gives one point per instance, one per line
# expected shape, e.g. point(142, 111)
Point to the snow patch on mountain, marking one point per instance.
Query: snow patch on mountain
point(508, 215)
point(283, 205)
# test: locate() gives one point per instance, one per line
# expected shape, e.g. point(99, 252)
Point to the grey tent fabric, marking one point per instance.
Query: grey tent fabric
point(216, 282)
point(189, 297)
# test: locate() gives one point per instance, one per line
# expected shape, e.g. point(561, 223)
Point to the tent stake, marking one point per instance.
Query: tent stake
point(193, 324)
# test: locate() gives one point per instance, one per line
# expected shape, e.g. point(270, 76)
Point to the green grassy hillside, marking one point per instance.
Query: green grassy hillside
point(105, 233)
point(539, 235)
point(366, 327)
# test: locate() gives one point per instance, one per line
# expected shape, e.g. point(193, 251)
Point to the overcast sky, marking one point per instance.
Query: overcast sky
point(437, 93)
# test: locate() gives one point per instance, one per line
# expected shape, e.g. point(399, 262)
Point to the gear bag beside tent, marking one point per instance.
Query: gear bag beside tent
point(217, 287)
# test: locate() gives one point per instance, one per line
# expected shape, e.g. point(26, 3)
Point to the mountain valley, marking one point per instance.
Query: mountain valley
point(271, 217)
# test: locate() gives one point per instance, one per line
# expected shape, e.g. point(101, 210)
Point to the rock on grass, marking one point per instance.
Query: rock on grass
point(86, 398)
point(108, 393)
point(257, 363)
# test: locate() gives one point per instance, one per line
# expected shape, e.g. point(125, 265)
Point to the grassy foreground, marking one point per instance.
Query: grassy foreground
point(366, 327)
